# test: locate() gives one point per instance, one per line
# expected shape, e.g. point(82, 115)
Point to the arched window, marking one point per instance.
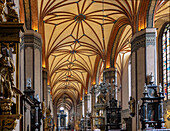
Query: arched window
point(166, 61)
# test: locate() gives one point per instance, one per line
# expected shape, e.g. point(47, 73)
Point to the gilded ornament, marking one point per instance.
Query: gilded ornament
point(167, 117)
point(8, 122)
point(12, 15)
point(1, 9)
point(132, 106)
point(6, 75)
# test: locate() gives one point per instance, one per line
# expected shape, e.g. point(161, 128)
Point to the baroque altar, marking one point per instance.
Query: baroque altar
point(9, 54)
point(152, 106)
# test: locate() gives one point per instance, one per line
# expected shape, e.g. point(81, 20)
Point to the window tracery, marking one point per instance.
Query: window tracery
point(166, 61)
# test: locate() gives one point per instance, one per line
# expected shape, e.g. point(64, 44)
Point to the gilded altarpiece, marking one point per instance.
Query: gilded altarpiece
point(9, 66)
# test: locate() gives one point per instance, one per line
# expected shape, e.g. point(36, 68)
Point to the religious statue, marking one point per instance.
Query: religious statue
point(62, 122)
point(47, 120)
point(101, 99)
point(1, 9)
point(6, 75)
point(151, 78)
point(145, 88)
point(132, 106)
point(43, 108)
point(28, 82)
point(12, 15)
point(37, 97)
point(46, 123)
point(160, 88)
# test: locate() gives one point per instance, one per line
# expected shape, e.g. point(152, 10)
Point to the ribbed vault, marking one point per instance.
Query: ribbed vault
point(76, 32)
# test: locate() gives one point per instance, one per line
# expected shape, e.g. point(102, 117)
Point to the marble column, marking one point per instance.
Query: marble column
point(31, 61)
point(143, 60)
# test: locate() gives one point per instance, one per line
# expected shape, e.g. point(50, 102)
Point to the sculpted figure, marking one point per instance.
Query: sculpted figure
point(43, 108)
point(132, 105)
point(12, 15)
point(167, 117)
point(100, 99)
point(6, 75)
point(1, 9)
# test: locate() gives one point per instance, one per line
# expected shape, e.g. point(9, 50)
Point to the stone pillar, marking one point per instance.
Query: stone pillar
point(143, 60)
point(75, 112)
point(80, 109)
point(85, 105)
point(55, 116)
point(92, 99)
point(93, 93)
point(88, 103)
point(31, 61)
point(83, 108)
point(69, 117)
point(48, 96)
point(58, 116)
point(44, 85)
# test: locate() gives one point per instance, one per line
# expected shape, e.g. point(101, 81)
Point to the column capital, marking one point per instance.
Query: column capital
point(144, 31)
point(30, 38)
point(143, 38)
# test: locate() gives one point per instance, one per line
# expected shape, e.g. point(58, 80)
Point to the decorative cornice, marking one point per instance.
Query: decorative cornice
point(125, 111)
point(143, 38)
point(31, 39)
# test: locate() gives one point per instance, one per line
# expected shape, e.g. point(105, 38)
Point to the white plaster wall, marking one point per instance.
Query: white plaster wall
point(125, 88)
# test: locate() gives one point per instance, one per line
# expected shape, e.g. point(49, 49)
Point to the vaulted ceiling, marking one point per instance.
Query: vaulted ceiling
point(76, 32)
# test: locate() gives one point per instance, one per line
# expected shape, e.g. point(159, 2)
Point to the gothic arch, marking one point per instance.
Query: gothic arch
point(115, 35)
point(160, 65)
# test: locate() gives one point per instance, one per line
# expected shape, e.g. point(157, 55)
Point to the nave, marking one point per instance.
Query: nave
point(84, 65)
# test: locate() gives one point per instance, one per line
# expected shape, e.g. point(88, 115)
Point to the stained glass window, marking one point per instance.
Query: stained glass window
point(166, 61)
